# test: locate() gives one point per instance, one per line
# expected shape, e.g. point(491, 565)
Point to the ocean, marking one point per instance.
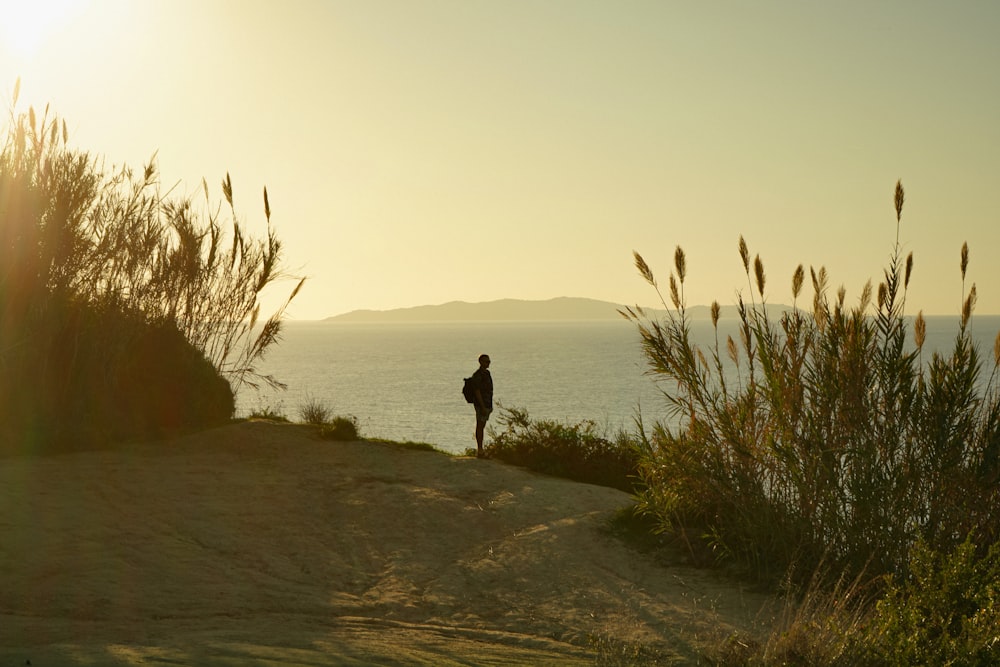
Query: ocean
point(404, 381)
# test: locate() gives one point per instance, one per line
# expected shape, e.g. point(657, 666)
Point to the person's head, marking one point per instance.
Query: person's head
point(484, 361)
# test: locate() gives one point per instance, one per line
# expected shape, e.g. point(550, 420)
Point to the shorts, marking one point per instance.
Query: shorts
point(483, 414)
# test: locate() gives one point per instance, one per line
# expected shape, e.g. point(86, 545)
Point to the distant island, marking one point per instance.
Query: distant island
point(560, 309)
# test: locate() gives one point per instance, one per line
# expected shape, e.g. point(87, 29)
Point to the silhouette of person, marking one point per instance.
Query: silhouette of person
point(484, 399)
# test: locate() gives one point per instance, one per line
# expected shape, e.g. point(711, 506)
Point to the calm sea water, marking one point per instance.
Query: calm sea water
point(403, 381)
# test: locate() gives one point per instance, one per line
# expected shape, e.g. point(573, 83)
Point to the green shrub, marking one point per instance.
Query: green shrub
point(945, 610)
point(574, 451)
point(819, 436)
point(344, 429)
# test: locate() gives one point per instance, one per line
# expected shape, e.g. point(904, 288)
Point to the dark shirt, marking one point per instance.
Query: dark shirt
point(484, 381)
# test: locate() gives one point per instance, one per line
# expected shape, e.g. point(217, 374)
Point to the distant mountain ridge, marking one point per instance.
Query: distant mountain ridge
point(511, 310)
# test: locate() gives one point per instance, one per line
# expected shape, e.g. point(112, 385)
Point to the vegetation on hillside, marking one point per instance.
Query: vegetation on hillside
point(575, 451)
point(821, 448)
point(123, 312)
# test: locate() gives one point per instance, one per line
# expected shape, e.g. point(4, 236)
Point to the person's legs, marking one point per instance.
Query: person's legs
point(482, 416)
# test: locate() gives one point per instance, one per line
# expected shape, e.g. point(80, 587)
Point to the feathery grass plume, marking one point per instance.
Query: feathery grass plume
point(969, 306)
point(965, 259)
point(866, 297)
point(267, 206)
point(797, 279)
point(898, 199)
point(841, 297)
point(643, 268)
point(819, 281)
point(702, 359)
point(680, 264)
point(227, 189)
point(744, 255)
point(920, 330)
point(746, 335)
point(675, 296)
point(758, 269)
point(883, 295)
point(734, 353)
point(715, 314)
point(909, 270)
point(996, 350)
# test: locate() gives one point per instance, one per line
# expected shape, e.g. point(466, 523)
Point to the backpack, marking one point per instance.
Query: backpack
point(469, 390)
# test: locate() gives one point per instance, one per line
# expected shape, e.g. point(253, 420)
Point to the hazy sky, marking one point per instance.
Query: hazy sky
point(422, 151)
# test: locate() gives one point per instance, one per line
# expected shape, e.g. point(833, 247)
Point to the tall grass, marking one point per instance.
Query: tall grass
point(92, 261)
point(116, 238)
point(836, 442)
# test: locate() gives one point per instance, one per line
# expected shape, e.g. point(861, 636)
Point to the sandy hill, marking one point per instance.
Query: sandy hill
point(258, 543)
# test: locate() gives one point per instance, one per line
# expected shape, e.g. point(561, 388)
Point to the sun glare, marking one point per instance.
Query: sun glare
point(27, 25)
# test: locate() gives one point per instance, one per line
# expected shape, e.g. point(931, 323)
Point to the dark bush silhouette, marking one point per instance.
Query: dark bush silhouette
point(123, 313)
point(88, 375)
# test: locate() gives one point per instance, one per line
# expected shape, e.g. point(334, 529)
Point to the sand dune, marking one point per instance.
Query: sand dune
point(258, 543)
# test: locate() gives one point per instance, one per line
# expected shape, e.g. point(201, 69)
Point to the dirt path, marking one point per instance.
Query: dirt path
point(259, 544)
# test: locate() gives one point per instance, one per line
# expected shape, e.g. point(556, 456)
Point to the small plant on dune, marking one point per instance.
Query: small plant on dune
point(315, 412)
point(342, 428)
point(574, 451)
point(270, 412)
point(820, 437)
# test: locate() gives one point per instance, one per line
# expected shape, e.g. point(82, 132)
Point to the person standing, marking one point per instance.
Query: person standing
point(483, 382)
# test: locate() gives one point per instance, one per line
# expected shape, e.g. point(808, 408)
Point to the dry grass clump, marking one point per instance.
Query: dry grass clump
point(315, 412)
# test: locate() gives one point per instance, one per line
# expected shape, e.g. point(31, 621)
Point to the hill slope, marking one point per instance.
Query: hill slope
point(558, 309)
point(562, 308)
point(257, 542)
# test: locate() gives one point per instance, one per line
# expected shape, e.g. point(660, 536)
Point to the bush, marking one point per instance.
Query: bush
point(163, 384)
point(573, 451)
point(820, 436)
point(944, 611)
point(122, 312)
point(344, 429)
point(107, 374)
